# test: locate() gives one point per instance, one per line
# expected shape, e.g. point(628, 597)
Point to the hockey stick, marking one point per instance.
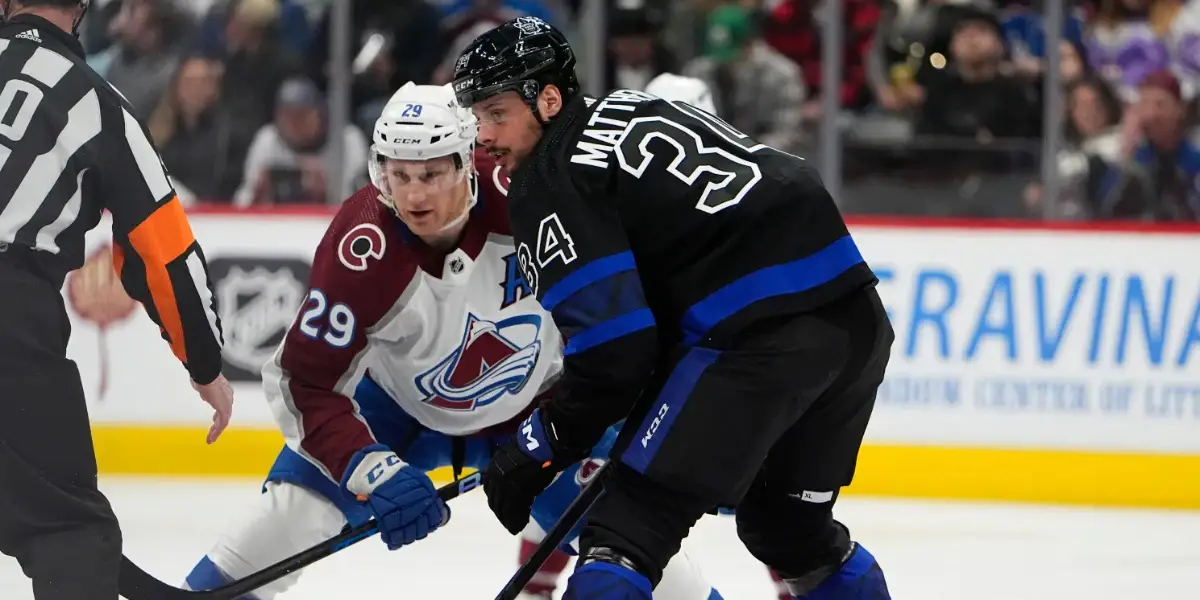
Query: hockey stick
point(136, 584)
point(555, 536)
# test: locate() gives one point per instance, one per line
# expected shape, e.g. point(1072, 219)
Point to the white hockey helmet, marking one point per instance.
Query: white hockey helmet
point(421, 122)
point(683, 89)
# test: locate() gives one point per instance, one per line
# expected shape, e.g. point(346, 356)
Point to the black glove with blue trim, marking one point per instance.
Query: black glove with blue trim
point(523, 468)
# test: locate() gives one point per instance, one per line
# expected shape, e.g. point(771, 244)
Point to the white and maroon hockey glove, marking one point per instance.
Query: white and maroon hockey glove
point(402, 498)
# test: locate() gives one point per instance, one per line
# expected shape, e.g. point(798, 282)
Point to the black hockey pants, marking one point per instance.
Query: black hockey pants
point(53, 518)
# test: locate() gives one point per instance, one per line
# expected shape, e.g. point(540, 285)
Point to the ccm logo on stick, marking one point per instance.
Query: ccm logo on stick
point(662, 412)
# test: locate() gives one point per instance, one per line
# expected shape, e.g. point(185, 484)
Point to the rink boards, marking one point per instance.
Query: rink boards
point(1030, 363)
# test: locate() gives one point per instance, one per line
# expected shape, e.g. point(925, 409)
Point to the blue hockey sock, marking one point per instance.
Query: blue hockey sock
point(207, 576)
point(606, 581)
point(860, 578)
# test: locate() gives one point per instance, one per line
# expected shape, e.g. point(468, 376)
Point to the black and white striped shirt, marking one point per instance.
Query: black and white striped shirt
point(70, 149)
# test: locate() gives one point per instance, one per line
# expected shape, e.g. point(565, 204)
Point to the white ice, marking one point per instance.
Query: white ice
point(929, 550)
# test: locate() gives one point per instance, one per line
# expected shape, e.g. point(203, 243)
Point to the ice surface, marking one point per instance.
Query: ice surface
point(929, 550)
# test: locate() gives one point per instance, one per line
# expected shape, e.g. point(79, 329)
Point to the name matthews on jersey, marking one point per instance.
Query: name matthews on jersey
point(606, 127)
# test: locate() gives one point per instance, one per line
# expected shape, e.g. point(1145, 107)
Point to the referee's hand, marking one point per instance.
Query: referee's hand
point(219, 395)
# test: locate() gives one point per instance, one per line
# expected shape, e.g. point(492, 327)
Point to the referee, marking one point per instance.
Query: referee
point(70, 149)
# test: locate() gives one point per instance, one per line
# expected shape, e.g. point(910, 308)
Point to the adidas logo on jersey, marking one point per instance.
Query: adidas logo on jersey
point(31, 35)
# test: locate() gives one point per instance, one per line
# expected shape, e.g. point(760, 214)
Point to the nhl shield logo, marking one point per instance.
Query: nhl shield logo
point(489, 363)
point(257, 305)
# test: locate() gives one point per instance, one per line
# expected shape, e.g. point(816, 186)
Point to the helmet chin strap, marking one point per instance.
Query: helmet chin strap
point(472, 200)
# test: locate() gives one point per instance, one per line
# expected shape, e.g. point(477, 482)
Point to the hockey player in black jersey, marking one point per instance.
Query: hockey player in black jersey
point(708, 283)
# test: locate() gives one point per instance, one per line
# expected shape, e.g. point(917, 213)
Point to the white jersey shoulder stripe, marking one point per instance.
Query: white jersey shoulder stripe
point(148, 162)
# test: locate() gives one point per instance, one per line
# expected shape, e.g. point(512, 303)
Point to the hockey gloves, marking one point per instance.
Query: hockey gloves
point(523, 468)
point(402, 498)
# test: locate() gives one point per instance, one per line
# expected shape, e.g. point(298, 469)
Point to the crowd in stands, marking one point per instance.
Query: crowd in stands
point(942, 100)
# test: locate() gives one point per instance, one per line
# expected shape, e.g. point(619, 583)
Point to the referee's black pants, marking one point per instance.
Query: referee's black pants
point(53, 518)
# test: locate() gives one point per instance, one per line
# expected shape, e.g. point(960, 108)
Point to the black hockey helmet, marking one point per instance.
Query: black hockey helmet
point(84, 4)
point(523, 55)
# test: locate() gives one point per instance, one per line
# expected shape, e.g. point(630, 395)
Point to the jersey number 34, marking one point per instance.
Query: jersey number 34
point(722, 165)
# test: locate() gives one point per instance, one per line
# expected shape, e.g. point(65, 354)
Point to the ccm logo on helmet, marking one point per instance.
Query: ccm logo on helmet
point(363, 242)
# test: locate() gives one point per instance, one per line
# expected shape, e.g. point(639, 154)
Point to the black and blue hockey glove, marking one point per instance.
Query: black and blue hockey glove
point(523, 468)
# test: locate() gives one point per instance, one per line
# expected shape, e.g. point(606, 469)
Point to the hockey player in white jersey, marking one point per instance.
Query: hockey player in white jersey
point(419, 346)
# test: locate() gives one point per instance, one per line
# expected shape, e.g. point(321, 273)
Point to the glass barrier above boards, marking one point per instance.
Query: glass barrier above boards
point(896, 173)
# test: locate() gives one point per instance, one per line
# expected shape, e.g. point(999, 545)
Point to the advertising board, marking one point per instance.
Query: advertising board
point(1048, 364)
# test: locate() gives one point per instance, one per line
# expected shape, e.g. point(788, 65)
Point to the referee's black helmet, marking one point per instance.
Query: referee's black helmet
point(84, 4)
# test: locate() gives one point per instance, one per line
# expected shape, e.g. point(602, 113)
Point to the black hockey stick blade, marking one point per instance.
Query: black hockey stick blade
point(136, 584)
point(556, 535)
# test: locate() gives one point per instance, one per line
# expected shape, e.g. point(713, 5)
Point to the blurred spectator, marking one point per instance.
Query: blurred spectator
point(636, 53)
point(203, 144)
point(1093, 115)
point(94, 31)
point(287, 160)
point(150, 36)
point(970, 96)
point(445, 71)
point(457, 10)
point(755, 89)
point(1157, 145)
point(792, 29)
point(256, 62)
point(1090, 165)
point(1128, 39)
point(910, 34)
point(1072, 62)
point(1025, 33)
point(1185, 48)
point(469, 21)
point(395, 41)
point(292, 28)
point(1072, 67)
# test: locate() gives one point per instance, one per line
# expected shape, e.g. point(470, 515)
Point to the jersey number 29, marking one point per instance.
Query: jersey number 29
point(339, 331)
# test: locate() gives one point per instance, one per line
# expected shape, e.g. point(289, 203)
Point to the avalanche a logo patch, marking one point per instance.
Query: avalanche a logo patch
point(587, 470)
point(490, 362)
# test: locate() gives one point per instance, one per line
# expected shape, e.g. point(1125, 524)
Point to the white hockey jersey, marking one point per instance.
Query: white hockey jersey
point(457, 339)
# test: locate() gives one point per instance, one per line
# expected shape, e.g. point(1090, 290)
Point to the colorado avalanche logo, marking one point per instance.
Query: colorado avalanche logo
point(364, 241)
point(587, 470)
point(487, 364)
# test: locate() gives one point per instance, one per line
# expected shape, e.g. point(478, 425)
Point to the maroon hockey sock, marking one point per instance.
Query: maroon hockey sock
point(546, 579)
point(780, 588)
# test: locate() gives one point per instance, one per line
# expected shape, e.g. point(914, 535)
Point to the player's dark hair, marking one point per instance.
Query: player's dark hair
point(523, 55)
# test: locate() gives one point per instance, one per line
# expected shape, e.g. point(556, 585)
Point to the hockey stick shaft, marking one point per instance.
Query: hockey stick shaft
point(554, 538)
point(136, 584)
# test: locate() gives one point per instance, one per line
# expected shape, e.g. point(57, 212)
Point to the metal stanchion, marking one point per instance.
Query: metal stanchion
point(1052, 107)
point(341, 29)
point(832, 46)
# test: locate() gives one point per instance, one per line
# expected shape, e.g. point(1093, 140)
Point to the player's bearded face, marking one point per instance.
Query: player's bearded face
point(507, 129)
point(428, 194)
